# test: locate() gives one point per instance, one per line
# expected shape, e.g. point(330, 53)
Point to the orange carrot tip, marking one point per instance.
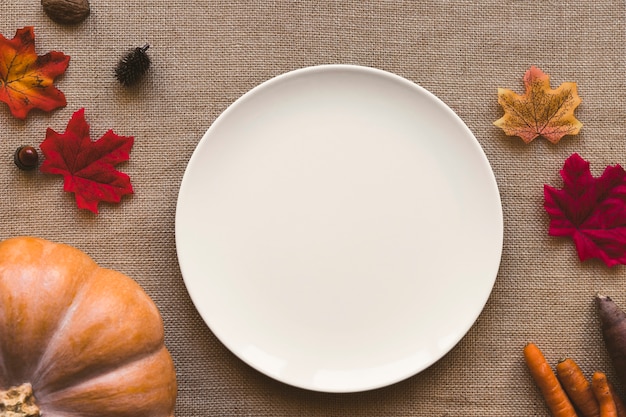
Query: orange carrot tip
point(603, 394)
point(577, 387)
point(553, 393)
point(619, 403)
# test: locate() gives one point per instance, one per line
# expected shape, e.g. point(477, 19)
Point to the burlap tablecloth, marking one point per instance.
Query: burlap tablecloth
point(206, 53)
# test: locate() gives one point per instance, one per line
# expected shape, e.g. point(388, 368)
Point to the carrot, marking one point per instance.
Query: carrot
point(619, 404)
point(577, 387)
point(547, 382)
point(613, 322)
point(601, 390)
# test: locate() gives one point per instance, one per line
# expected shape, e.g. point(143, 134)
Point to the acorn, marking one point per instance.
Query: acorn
point(26, 158)
point(133, 66)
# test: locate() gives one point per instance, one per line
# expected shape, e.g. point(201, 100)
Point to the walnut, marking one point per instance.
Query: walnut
point(66, 11)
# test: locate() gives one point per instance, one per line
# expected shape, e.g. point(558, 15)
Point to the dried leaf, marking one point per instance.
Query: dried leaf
point(88, 167)
point(592, 211)
point(26, 79)
point(541, 111)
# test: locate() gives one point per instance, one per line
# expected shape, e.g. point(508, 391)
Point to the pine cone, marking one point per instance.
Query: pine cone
point(133, 66)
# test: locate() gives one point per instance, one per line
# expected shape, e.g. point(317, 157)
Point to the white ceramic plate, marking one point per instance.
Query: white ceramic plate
point(339, 228)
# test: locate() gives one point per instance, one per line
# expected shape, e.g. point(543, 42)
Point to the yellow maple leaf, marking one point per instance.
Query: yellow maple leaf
point(541, 111)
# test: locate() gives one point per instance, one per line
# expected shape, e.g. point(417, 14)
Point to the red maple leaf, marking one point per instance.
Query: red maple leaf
point(592, 211)
point(88, 167)
point(26, 79)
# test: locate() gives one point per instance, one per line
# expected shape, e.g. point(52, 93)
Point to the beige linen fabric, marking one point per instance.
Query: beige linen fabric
point(207, 53)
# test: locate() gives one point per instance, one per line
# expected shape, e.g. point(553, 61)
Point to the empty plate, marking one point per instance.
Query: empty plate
point(339, 228)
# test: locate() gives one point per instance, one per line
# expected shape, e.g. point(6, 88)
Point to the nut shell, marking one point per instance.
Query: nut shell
point(66, 11)
point(26, 158)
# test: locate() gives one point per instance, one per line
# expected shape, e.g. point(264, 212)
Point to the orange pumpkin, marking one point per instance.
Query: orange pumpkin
point(77, 339)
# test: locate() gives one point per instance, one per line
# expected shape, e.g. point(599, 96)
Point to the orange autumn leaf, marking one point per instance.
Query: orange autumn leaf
point(540, 111)
point(27, 79)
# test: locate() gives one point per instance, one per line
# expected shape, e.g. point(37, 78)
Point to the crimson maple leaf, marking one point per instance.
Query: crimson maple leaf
point(26, 79)
point(88, 167)
point(592, 211)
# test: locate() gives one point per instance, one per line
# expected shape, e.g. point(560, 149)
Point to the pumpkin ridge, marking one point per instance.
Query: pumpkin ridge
point(48, 380)
point(101, 390)
point(56, 334)
point(94, 373)
point(34, 254)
